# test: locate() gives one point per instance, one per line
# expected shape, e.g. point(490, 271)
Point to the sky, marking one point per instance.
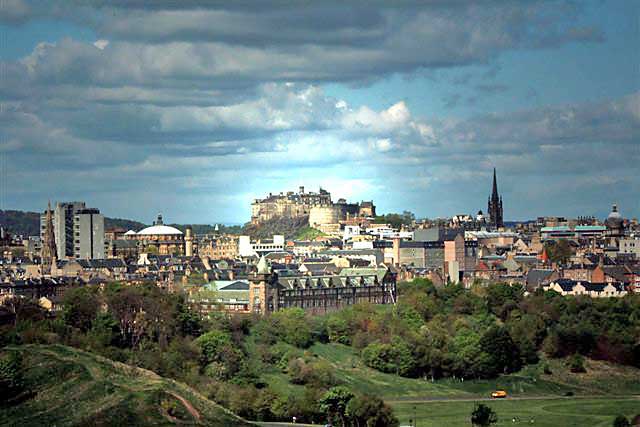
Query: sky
point(193, 109)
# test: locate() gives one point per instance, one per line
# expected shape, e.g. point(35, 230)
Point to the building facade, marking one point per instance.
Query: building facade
point(78, 231)
point(319, 294)
point(88, 234)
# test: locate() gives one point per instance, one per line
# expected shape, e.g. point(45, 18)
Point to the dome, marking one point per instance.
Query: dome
point(614, 220)
point(161, 230)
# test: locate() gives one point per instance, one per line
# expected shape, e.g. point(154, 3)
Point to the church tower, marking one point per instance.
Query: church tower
point(494, 208)
point(48, 254)
point(263, 295)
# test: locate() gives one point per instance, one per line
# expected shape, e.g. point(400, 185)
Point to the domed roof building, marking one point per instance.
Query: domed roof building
point(615, 223)
point(159, 230)
point(166, 239)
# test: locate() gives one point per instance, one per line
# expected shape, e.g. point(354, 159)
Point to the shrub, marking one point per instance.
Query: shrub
point(370, 411)
point(11, 380)
point(395, 357)
point(621, 421)
point(576, 363)
point(483, 416)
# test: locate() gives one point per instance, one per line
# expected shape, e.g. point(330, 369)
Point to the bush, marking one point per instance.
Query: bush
point(292, 327)
point(483, 416)
point(621, 421)
point(338, 330)
point(316, 374)
point(80, 307)
point(370, 411)
point(576, 363)
point(395, 357)
point(11, 380)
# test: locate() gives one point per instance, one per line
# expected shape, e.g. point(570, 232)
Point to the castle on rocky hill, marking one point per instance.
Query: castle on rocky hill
point(317, 206)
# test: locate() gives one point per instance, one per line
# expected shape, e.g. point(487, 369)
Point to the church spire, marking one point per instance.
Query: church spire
point(49, 250)
point(494, 208)
point(494, 193)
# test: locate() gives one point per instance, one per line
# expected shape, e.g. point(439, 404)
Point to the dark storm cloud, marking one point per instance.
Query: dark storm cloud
point(207, 97)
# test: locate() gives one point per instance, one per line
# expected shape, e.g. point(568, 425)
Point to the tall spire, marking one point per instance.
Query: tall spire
point(494, 207)
point(49, 250)
point(494, 193)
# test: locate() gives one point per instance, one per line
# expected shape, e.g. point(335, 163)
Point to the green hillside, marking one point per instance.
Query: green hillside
point(601, 378)
point(70, 387)
point(565, 412)
point(555, 398)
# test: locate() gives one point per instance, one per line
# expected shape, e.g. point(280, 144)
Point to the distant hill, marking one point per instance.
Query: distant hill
point(20, 222)
point(125, 224)
point(28, 223)
point(67, 386)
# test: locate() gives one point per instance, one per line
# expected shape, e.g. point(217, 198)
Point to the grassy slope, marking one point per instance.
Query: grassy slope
point(601, 378)
point(73, 387)
point(603, 392)
point(578, 412)
point(308, 233)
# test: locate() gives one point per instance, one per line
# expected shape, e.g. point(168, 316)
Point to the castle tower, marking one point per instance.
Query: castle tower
point(494, 206)
point(188, 241)
point(49, 251)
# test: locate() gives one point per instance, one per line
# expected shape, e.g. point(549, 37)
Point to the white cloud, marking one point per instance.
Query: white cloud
point(101, 44)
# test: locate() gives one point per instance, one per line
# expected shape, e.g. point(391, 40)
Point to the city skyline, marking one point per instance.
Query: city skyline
point(411, 106)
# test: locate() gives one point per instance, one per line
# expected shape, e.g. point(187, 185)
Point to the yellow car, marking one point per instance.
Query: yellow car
point(499, 394)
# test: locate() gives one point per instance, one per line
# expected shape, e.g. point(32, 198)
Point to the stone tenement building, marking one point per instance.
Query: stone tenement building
point(319, 294)
point(305, 204)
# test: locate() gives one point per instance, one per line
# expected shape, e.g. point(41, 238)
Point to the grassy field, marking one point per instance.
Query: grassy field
point(72, 387)
point(600, 378)
point(578, 412)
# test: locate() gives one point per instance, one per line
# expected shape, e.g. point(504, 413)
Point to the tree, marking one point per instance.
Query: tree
point(334, 403)
point(621, 421)
point(80, 307)
point(143, 312)
point(104, 331)
point(212, 345)
point(395, 357)
point(11, 381)
point(24, 310)
point(338, 330)
point(188, 320)
point(292, 326)
point(502, 298)
point(483, 416)
point(370, 411)
point(504, 355)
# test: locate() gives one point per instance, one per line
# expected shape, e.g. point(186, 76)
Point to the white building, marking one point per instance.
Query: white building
point(247, 248)
point(630, 246)
point(78, 231)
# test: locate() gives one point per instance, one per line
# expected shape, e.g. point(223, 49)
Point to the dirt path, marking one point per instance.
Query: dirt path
point(194, 413)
